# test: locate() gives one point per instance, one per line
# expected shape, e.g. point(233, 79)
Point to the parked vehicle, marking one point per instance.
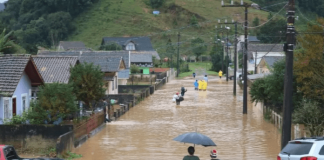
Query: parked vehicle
point(231, 73)
point(9, 153)
point(303, 149)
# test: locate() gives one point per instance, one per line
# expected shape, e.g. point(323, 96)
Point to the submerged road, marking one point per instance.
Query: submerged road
point(147, 130)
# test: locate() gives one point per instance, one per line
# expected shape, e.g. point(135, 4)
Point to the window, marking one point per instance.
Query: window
point(113, 86)
point(130, 47)
point(116, 82)
point(24, 102)
point(6, 108)
point(297, 148)
point(321, 152)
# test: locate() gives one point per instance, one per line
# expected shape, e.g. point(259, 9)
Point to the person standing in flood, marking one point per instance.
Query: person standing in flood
point(196, 85)
point(194, 75)
point(183, 91)
point(220, 74)
point(206, 78)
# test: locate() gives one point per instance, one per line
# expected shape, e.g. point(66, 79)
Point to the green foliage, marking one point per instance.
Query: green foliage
point(270, 89)
point(256, 21)
point(111, 47)
point(71, 156)
point(42, 23)
point(193, 20)
point(87, 82)
point(156, 3)
point(5, 41)
point(37, 114)
point(308, 65)
point(170, 51)
point(273, 31)
point(315, 6)
point(17, 119)
point(311, 115)
point(199, 47)
point(216, 53)
point(134, 69)
point(58, 100)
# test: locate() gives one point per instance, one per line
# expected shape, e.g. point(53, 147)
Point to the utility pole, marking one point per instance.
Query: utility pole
point(178, 55)
point(246, 6)
point(255, 62)
point(235, 60)
point(288, 91)
point(235, 55)
point(223, 54)
point(226, 55)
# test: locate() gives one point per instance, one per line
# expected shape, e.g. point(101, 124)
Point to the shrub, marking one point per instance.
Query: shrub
point(134, 69)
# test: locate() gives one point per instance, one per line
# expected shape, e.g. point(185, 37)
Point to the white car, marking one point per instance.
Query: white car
point(303, 149)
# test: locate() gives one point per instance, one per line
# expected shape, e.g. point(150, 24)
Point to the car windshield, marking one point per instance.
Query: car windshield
point(297, 148)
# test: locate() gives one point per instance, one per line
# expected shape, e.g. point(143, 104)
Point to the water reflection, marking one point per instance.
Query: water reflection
point(147, 130)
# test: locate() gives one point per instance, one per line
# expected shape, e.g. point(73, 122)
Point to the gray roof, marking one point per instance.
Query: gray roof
point(141, 43)
point(270, 60)
point(141, 58)
point(257, 76)
point(263, 48)
point(11, 70)
point(253, 39)
point(106, 63)
point(55, 69)
point(72, 45)
point(90, 55)
point(123, 74)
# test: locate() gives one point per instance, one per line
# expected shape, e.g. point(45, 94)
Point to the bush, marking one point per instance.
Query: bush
point(110, 47)
point(156, 3)
point(134, 69)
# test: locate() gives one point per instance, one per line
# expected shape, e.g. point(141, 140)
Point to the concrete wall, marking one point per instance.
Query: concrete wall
point(32, 137)
point(65, 143)
point(132, 88)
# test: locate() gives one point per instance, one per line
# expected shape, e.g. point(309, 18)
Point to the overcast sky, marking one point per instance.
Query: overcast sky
point(2, 1)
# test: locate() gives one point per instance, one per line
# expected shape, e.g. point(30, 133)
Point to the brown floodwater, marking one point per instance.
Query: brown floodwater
point(147, 130)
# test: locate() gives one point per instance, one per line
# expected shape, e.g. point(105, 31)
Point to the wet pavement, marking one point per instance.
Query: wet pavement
point(147, 130)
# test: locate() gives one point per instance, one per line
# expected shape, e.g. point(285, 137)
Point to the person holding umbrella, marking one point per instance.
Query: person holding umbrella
point(191, 151)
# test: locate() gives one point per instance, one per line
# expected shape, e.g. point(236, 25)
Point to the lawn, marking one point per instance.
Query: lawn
point(199, 68)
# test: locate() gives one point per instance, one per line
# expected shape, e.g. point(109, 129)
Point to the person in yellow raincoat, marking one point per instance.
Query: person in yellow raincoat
point(220, 74)
point(200, 83)
point(204, 85)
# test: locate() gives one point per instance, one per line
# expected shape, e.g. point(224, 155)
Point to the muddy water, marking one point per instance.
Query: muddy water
point(147, 130)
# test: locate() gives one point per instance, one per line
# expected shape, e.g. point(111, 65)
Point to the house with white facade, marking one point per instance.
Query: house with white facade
point(18, 77)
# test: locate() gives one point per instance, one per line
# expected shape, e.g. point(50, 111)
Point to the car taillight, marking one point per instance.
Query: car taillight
point(278, 158)
point(308, 158)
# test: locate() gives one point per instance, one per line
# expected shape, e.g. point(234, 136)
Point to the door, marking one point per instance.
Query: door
point(14, 107)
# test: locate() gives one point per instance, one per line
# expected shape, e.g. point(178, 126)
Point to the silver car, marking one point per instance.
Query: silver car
point(303, 149)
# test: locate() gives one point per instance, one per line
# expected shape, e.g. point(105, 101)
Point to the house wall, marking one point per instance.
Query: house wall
point(23, 88)
point(122, 81)
point(113, 85)
point(1, 109)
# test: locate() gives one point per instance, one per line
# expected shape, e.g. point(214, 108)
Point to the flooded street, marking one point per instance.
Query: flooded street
point(146, 131)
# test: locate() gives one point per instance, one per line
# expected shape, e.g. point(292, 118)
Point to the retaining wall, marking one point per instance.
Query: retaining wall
point(32, 138)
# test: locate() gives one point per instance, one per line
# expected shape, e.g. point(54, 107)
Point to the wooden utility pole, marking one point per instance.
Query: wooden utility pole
point(226, 55)
point(255, 62)
point(246, 6)
point(288, 90)
point(178, 56)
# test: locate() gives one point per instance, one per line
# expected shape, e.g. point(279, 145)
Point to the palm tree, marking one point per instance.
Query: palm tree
point(5, 42)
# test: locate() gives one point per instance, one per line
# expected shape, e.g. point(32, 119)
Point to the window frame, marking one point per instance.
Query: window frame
point(130, 46)
point(6, 116)
point(26, 102)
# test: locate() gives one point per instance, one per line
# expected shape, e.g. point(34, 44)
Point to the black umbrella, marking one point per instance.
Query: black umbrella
point(195, 138)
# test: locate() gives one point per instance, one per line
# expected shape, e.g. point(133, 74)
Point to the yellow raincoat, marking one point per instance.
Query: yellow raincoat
point(200, 83)
point(204, 86)
point(220, 73)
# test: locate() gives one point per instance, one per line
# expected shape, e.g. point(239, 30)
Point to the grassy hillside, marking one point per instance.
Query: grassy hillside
point(134, 18)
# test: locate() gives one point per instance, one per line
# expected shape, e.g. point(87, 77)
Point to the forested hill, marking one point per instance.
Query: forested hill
point(46, 22)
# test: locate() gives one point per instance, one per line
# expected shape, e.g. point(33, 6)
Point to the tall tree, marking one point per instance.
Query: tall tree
point(273, 31)
point(87, 82)
point(199, 47)
point(5, 41)
point(58, 100)
point(309, 62)
point(170, 51)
